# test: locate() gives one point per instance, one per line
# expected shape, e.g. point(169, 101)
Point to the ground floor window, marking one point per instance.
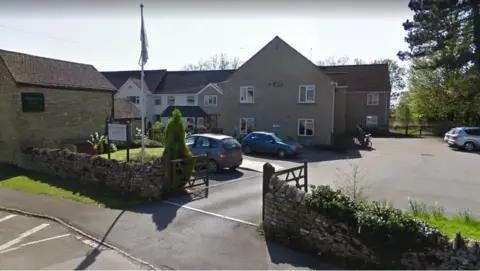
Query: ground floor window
point(200, 121)
point(372, 121)
point(247, 125)
point(306, 127)
point(190, 123)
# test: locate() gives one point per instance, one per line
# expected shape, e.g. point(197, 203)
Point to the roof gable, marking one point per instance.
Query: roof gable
point(152, 77)
point(47, 72)
point(124, 109)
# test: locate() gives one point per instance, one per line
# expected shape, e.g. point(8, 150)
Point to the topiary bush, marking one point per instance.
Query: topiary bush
point(380, 226)
point(176, 148)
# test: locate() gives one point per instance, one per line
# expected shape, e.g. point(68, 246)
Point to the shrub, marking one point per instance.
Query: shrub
point(148, 143)
point(176, 148)
point(375, 223)
point(158, 132)
point(97, 141)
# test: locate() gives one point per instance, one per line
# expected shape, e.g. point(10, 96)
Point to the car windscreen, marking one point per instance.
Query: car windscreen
point(231, 144)
point(278, 138)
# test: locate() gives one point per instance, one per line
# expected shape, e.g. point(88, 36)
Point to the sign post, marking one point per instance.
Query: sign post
point(118, 132)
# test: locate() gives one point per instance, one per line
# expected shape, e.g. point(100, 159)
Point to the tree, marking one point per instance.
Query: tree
point(216, 62)
point(333, 61)
point(448, 32)
point(403, 110)
point(176, 148)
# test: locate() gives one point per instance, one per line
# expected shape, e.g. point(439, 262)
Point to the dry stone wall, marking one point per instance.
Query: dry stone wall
point(139, 180)
point(290, 221)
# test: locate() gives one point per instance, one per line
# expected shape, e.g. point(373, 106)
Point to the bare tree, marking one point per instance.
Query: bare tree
point(333, 61)
point(217, 62)
point(353, 183)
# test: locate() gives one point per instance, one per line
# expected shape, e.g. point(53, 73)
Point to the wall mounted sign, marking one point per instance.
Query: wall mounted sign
point(33, 102)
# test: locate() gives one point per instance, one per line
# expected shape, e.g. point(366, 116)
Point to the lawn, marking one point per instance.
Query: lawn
point(469, 228)
point(121, 155)
point(15, 178)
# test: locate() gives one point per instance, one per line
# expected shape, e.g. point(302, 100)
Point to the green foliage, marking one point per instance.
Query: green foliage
point(148, 143)
point(158, 132)
point(97, 141)
point(176, 147)
point(376, 223)
point(403, 110)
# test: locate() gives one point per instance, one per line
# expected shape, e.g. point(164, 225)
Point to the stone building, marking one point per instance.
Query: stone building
point(47, 103)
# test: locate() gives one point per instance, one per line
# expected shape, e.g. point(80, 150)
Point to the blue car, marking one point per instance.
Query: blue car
point(267, 142)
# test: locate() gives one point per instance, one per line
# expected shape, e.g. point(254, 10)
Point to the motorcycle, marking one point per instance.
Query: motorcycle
point(366, 143)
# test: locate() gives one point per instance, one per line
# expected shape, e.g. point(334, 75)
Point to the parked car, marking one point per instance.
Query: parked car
point(267, 142)
point(449, 134)
point(466, 138)
point(223, 151)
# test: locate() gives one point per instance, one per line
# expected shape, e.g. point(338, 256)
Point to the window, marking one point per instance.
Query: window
point(473, 132)
point(372, 121)
point(190, 100)
point(372, 99)
point(247, 125)
point(200, 121)
point(158, 117)
point(171, 100)
point(134, 99)
point(247, 95)
point(33, 102)
point(210, 100)
point(190, 123)
point(158, 101)
point(202, 142)
point(190, 140)
point(306, 127)
point(306, 94)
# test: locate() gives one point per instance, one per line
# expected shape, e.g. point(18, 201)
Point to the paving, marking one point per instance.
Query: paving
point(218, 231)
point(424, 169)
point(32, 243)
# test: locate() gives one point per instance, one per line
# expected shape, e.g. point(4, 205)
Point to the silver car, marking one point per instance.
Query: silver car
point(466, 138)
point(223, 151)
point(449, 134)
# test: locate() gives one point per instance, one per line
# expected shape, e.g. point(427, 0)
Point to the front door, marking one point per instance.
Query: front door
point(213, 121)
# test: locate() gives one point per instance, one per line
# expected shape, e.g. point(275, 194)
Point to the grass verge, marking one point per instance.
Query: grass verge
point(464, 222)
point(121, 155)
point(12, 177)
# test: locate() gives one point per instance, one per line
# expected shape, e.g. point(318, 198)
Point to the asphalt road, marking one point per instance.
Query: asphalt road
point(31, 243)
point(424, 169)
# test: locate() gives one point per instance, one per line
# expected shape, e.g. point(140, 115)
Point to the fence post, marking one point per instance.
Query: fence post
point(305, 176)
point(268, 171)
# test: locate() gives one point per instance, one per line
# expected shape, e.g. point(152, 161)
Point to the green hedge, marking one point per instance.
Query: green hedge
point(378, 225)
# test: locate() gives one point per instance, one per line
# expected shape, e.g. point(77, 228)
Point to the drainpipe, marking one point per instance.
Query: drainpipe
point(335, 85)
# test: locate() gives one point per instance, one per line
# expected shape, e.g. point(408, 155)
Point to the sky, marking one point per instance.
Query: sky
point(106, 33)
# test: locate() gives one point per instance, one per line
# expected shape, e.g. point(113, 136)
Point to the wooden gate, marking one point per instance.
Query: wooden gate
point(199, 175)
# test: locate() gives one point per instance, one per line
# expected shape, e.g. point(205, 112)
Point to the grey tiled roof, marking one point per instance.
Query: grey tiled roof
point(47, 72)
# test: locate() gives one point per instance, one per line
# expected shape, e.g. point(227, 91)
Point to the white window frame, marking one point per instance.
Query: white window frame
point(375, 125)
point(244, 95)
point(246, 125)
point(373, 99)
point(307, 88)
point(202, 123)
point(158, 101)
point(191, 97)
point(137, 99)
point(312, 121)
point(169, 98)
point(208, 102)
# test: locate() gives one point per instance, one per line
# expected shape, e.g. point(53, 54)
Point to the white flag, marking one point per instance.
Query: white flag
point(143, 39)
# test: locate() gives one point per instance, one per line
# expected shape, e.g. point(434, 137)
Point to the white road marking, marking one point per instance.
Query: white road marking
point(7, 217)
point(22, 236)
point(212, 214)
point(35, 242)
point(88, 242)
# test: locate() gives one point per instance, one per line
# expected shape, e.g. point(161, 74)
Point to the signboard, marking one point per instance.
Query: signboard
point(33, 102)
point(276, 126)
point(117, 132)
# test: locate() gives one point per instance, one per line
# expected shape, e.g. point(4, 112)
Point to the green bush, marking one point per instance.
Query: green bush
point(158, 132)
point(375, 223)
point(176, 148)
point(148, 143)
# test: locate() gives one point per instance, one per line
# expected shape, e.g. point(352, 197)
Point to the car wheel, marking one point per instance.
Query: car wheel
point(247, 149)
point(213, 166)
point(281, 153)
point(469, 146)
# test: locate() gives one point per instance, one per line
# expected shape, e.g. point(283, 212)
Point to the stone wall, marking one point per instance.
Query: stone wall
point(125, 179)
point(288, 220)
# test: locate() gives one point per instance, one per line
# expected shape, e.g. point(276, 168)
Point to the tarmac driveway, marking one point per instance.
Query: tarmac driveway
point(424, 169)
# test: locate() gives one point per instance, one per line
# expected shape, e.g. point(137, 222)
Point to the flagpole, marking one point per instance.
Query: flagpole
point(142, 75)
